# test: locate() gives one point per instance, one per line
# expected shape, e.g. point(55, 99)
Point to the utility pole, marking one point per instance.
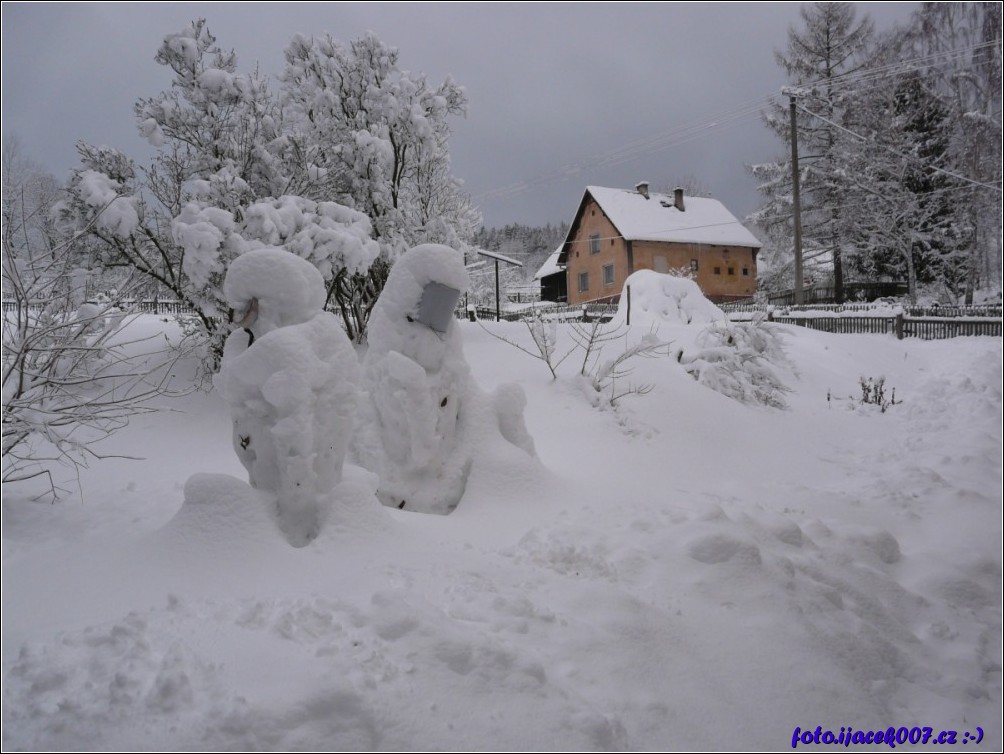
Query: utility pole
point(799, 292)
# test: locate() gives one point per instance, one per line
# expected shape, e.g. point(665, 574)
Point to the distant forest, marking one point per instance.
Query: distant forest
point(531, 245)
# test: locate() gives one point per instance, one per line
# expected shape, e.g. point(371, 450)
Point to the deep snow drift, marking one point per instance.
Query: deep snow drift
point(681, 570)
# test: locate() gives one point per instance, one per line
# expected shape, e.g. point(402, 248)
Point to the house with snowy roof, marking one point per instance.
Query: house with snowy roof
point(618, 231)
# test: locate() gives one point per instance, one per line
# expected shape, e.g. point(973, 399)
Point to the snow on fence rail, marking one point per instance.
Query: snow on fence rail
point(555, 312)
point(974, 310)
point(152, 306)
point(926, 328)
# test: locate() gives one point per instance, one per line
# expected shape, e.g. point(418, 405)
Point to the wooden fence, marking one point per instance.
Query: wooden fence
point(974, 310)
point(926, 328)
point(852, 291)
point(163, 306)
point(550, 312)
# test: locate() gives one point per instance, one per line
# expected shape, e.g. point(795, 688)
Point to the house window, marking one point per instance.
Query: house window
point(594, 243)
point(732, 270)
point(718, 270)
point(608, 274)
point(693, 265)
point(746, 271)
point(583, 282)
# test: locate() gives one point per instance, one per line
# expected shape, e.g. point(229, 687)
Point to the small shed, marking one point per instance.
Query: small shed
point(552, 279)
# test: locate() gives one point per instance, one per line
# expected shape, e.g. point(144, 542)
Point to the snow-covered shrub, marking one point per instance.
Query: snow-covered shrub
point(544, 334)
point(73, 371)
point(609, 375)
point(873, 393)
point(424, 420)
point(290, 379)
point(740, 360)
point(603, 376)
point(353, 147)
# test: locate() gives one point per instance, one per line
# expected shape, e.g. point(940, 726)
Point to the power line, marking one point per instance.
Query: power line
point(898, 67)
point(679, 135)
point(660, 141)
point(866, 140)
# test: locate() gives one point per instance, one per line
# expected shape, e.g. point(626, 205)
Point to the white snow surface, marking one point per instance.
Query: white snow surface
point(657, 299)
point(680, 572)
point(703, 220)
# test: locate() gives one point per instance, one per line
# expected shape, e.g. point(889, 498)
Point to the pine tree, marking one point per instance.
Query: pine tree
point(904, 219)
point(832, 44)
point(965, 40)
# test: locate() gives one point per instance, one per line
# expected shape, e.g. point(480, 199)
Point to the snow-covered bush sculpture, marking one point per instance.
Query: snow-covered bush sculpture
point(425, 419)
point(656, 299)
point(737, 359)
point(740, 360)
point(290, 378)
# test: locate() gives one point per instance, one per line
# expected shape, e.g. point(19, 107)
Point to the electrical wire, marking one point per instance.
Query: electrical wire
point(866, 140)
point(688, 132)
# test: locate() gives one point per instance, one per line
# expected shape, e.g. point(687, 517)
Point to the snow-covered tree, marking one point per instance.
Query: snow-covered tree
point(832, 44)
point(906, 219)
point(69, 375)
point(214, 122)
point(375, 137)
point(965, 41)
point(218, 185)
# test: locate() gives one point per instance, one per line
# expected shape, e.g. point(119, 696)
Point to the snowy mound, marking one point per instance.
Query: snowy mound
point(657, 298)
point(290, 290)
point(220, 514)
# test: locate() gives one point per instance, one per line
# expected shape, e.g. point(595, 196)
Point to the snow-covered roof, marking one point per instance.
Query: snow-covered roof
point(657, 219)
point(550, 266)
point(499, 257)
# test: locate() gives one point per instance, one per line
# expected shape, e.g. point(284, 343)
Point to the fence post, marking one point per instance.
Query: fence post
point(628, 305)
point(898, 325)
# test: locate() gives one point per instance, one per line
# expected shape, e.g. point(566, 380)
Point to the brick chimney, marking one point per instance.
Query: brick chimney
point(643, 188)
point(678, 199)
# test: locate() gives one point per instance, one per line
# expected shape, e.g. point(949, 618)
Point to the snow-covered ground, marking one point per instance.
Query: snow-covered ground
point(679, 571)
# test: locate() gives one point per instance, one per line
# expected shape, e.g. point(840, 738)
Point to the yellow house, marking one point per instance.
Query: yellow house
point(618, 231)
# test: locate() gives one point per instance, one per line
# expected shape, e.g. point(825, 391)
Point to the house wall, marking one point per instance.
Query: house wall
point(652, 255)
point(716, 286)
point(613, 250)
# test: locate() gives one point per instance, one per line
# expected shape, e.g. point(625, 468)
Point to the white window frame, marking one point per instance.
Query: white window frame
point(594, 243)
point(608, 275)
point(583, 276)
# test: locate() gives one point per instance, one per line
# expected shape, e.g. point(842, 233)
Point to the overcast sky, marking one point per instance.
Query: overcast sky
point(561, 96)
